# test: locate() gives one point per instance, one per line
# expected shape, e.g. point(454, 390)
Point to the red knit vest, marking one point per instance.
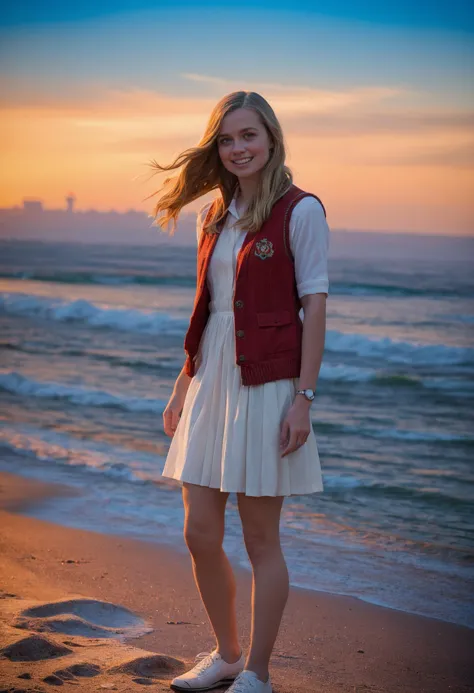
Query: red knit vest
point(268, 329)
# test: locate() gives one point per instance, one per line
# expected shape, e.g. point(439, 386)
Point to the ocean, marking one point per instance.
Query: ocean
point(92, 342)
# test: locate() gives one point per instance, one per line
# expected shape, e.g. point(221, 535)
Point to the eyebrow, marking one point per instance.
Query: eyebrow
point(225, 134)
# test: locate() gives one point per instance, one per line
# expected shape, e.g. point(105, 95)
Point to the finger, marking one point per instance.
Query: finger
point(168, 424)
point(301, 440)
point(291, 447)
point(285, 433)
point(174, 418)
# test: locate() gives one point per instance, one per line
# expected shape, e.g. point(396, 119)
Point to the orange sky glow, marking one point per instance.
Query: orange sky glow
point(375, 168)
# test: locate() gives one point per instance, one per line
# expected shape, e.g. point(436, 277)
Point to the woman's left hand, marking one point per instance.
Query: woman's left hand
point(296, 426)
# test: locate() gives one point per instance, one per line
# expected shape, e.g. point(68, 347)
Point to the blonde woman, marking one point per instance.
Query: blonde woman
point(239, 414)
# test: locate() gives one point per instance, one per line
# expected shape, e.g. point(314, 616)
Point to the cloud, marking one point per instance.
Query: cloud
point(379, 122)
point(138, 124)
point(290, 99)
point(459, 157)
point(193, 77)
point(146, 146)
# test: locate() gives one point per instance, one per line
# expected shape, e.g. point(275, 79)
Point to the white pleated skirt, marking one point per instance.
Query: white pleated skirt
point(228, 436)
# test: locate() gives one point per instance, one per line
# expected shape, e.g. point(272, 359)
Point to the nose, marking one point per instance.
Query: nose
point(238, 147)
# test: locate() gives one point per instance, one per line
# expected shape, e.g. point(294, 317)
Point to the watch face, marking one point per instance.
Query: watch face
point(309, 394)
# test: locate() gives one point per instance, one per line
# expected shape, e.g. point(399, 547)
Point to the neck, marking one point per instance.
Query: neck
point(246, 190)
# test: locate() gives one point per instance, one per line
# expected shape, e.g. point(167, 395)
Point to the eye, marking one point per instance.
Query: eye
point(249, 134)
point(224, 140)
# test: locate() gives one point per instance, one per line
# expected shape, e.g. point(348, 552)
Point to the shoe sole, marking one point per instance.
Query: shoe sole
point(222, 682)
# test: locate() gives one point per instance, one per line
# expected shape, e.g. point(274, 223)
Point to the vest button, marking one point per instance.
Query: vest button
point(241, 357)
point(240, 333)
point(239, 304)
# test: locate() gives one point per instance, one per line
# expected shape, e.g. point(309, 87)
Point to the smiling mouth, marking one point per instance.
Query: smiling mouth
point(242, 162)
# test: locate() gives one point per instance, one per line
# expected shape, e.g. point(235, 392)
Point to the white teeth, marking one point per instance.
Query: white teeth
point(243, 161)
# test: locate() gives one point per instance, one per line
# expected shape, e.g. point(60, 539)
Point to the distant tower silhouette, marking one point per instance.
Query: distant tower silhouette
point(70, 199)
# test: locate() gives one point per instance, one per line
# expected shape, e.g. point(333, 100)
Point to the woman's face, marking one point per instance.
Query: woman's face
point(243, 143)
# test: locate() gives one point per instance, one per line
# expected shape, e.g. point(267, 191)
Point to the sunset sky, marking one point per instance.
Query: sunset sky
point(376, 101)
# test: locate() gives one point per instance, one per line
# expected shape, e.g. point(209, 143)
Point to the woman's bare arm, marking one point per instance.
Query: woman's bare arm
point(297, 425)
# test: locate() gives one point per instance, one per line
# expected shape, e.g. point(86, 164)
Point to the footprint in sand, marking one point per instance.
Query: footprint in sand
point(33, 649)
point(85, 617)
point(149, 666)
point(82, 669)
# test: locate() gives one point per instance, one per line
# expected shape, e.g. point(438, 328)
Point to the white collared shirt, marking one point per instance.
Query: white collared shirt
point(309, 242)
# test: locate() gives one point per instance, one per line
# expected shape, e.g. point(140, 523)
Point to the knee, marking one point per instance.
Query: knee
point(261, 545)
point(202, 539)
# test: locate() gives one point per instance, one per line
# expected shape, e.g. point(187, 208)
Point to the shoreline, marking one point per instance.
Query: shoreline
point(87, 515)
point(326, 643)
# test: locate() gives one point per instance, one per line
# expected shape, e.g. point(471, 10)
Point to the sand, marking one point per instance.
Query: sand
point(100, 612)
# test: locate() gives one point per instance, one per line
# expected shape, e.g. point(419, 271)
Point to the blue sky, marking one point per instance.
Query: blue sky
point(151, 48)
point(425, 14)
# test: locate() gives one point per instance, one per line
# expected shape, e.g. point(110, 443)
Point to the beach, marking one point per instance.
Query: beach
point(105, 612)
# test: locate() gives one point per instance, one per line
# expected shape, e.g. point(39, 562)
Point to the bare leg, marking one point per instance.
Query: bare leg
point(204, 532)
point(260, 523)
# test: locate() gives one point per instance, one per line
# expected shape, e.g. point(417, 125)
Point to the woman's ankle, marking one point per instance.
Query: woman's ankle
point(231, 656)
point(262, 672)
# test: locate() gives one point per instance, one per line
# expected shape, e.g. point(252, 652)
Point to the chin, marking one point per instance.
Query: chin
point(251, 172)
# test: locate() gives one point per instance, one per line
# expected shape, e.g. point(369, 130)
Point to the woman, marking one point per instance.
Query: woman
point(239, 414)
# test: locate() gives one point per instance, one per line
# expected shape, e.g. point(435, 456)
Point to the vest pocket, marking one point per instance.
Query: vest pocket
point(279, 317)
point(277, 334)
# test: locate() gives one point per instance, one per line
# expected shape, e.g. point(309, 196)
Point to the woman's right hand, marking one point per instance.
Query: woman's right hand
point(174, 407)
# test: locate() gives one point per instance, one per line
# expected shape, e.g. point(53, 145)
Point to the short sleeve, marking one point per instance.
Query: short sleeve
point(201, 215)
point(309, 242)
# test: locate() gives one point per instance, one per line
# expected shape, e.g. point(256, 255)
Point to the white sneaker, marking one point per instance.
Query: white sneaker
point(248, 682)
point(211, 672)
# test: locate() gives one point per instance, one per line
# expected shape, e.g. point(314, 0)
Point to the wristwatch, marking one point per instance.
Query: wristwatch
point(309, 394)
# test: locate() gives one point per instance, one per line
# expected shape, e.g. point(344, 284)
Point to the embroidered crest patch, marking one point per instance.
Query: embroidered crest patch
point(264, 249)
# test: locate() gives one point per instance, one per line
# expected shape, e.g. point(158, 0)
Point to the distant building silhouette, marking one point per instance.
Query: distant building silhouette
point(35, 222)
point(31, 206)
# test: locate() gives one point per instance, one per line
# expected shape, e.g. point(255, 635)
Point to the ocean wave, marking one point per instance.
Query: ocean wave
point(397, 351)
point(102, 279)
point(427, 495)
point(346, 373)
point(399, 290)
point(162, 364)
point(332, 428)
point(18, 384)
point(415, 436)
point(341, 372)
point(94, 315)
point(152, 322)
point(123, 278)
point(65, 450)
point(468, 319)
point(143, 468)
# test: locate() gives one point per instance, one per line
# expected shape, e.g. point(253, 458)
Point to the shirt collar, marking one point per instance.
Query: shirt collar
point(232, 208)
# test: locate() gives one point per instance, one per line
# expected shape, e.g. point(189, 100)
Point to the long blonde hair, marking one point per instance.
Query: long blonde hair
point(202, 170)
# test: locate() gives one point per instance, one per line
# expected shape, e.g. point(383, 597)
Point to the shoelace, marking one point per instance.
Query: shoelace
point(244, 683)
point(205, 660)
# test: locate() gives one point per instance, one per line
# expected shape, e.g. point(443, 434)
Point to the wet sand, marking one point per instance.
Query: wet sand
point(102, 612)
